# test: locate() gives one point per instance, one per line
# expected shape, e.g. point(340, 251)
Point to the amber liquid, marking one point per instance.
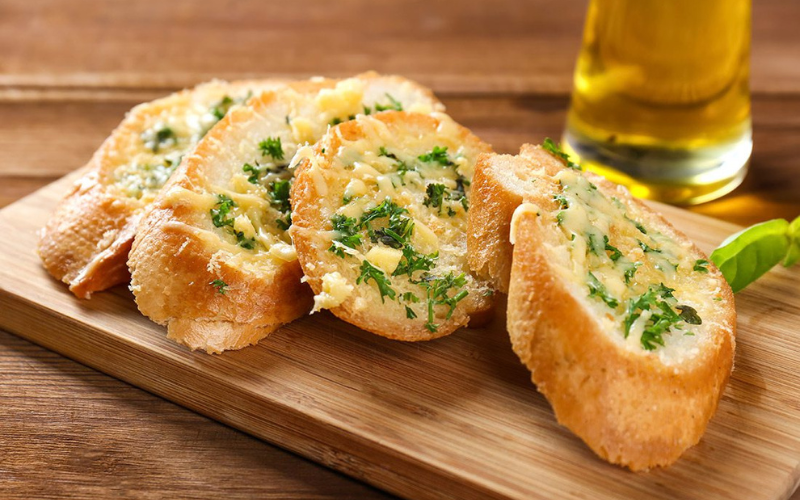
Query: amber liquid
point(661, 100)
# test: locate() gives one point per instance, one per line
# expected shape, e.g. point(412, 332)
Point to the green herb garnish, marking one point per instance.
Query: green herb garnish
point(615, 253)
point(689, 315)
point(434, 196)
point(220, 109)
point(156, 138)
point(747, 255)
point(414, 261)
point(701, 266)
point(219, 215)
point(347, 233)
point(555, 150)
point(630, 271)
point(370, 272)
point(394, 105)
point(646, 248)
point(279, 191)
point(437, 294)
point(220, 285)
point(597, 289)
point(437, 155)
point(255, 172)
point(662, 316)
point(271, 146)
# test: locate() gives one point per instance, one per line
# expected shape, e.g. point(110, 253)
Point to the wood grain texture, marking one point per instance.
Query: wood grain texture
point(470, 45)
point(456, 417)
point(69, 431)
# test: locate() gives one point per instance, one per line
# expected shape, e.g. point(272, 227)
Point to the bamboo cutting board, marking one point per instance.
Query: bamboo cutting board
point(452, 418)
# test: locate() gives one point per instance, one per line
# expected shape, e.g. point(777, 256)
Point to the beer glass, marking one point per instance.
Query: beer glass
point(661, 101)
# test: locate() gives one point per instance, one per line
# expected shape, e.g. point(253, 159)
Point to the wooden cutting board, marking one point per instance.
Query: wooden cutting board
point(451, 418)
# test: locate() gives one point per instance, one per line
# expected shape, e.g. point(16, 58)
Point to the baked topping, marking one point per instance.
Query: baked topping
point(404, 205)
point(637, 274)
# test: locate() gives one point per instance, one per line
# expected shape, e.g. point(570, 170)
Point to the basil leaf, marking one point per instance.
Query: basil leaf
point(748, 254)
point(793, 255)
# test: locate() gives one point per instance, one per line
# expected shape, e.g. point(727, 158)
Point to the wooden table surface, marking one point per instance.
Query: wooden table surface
point(68, 72)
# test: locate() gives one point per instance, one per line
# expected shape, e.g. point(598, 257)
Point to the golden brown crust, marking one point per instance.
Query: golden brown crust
point(250, 308)
point(312, 203)
point(629, 406)
point(85, 243)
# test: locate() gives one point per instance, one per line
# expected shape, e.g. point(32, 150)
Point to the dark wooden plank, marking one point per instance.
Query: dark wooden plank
point(468, 46)
point(69, 431)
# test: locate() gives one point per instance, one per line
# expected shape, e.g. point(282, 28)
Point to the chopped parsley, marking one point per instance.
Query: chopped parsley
point(562, 200)
point(439, 290)
point(347, 233)
point(157, 137)
point(657, 299)
point(701, 266)
point(394, 105)
point(219, 215)
point(220, 285)
point(437, 155)
point(689, 315)
point(414, 261)
point(555, 150)
point(437, 294)
point(221, 107)
point(595, 245)
point(370, 272)
point(243, 241)
point(630, 271)
point(434, 196)
point(396, 234)
point(615, 253)
point(646, 248)
point(255, 171)
point(597, 289)
point(271, 146)
point(279, 192)
point(401, 166)
point(637, 224)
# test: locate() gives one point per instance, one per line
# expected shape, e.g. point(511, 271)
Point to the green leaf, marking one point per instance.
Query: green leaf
point(748, 254)
point(793, 254)
point(555, 150)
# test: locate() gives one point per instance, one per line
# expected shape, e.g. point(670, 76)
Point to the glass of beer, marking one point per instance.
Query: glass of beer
point(661, 101)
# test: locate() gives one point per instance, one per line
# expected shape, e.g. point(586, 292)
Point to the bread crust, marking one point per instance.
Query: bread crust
point(310, 221)
point(86, 241)
point(175, 235)
point(627, 405)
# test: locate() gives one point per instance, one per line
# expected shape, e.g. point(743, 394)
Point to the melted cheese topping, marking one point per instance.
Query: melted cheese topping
point(156, 147)
point(335, 290)
point(426, 177)
point(259, 182)
point(614, 259)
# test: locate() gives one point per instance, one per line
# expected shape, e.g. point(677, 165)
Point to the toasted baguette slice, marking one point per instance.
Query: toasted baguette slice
point(593, 270)
point(219, 228)
point(85, 243)
point(380, 214)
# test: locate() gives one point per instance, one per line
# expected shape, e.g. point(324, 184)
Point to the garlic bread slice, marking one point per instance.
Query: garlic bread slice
point(626, 326)
point(85, 243)
point(212, 259)
point(379, 223)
